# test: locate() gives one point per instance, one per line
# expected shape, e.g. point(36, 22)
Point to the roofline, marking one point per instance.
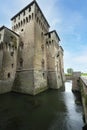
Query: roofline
point(8, 29)
point(34, 1)
point(54, 32)
point(62, 48)
point(2, 27)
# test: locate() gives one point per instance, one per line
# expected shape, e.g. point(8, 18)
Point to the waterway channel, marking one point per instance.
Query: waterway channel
point(50, 110)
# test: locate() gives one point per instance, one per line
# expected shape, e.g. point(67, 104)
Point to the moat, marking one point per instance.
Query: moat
point(50, 110)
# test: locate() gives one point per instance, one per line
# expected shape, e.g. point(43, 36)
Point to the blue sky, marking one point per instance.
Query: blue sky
point(68, 17)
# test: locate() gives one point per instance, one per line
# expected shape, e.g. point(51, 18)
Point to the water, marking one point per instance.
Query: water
point(50, 110)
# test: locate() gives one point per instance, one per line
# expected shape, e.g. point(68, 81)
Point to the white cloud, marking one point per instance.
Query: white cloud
point(75, 60)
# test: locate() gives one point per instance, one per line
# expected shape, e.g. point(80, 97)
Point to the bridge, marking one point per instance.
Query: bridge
point(79, 84)
point(75, 80)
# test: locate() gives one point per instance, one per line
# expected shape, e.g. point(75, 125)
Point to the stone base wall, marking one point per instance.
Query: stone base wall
point(40, 81)
point(75, 84)
point(53, 81)
point(24, 82)
point(30, 82)
point(6, 86)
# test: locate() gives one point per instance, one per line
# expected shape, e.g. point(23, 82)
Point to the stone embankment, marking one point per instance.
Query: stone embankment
point(6, 85)
point(83, 84)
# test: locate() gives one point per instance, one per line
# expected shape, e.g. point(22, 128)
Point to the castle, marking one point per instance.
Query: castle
point(31, 59)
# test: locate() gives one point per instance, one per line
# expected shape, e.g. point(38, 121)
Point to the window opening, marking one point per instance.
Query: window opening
point(22, 30)
point(9, 75)
point(26, 20)
point(12, 53)
point(49, 35)
point(21, 23)
point(32, 15)
point(21, 62)
point(29, 17)
point(29, 9)
point(12, 65)
point(24, 13)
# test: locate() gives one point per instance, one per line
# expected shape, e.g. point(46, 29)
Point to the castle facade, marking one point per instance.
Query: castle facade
point(31, 58)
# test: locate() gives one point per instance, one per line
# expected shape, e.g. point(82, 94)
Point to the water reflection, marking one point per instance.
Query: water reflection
point(51, 110)
point(74, 113)
point(68, 86)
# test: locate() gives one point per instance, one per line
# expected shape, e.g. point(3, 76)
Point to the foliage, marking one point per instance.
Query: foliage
point(69, 70)
point(68, 74)
point(83, 74)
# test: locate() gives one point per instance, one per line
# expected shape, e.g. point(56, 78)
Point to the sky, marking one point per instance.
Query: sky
point(67, 17)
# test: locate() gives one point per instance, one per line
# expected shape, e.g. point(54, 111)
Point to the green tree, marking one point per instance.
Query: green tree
point(69, 70)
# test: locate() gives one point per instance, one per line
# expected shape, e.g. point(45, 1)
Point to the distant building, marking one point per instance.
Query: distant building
point(30, 55)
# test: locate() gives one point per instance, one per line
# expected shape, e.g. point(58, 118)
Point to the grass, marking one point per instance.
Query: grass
point(83, 74)
point(68, 74)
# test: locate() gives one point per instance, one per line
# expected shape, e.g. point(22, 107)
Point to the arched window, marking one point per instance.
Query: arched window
point(32, 15)
point(29, 17)
point(26, 19)
point(37, 19)
point(21, 23)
